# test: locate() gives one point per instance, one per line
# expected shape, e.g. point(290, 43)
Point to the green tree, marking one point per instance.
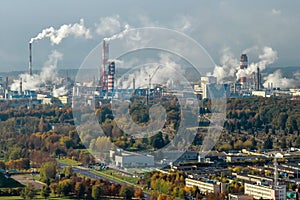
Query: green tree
point(28, 192)
point(238, 144)
point(45, 192)
point(127, 192)
point(96, 192)
point(157, 141)
point(79, 189)
point(268, 143)
point(48, 172)
point(67, 171)
point(64, 187)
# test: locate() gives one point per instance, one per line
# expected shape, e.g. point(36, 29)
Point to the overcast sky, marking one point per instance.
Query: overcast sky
point(215, 24)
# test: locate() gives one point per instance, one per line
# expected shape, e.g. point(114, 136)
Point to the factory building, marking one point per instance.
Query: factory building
point(266, 192)
point(130, 160)
point(210, 186)
point(205, 82)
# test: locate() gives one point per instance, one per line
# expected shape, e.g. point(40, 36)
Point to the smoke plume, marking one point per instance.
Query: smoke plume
point(228, 67)
point(56, 35)
point(47, 75)
point(269, 56)
point(165, 71)
point(119, 35)
point(277, 80)
point(57, 92)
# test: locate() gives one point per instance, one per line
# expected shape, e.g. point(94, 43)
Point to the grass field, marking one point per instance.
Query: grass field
point(120, 176)
point(68, 161)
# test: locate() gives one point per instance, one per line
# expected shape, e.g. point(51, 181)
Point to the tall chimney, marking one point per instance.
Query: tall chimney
point(133, 84)
point(257, 79)
point(243, 66)
point(6, 83)
point(105, 56)
point(21, 87)
point(30, 58)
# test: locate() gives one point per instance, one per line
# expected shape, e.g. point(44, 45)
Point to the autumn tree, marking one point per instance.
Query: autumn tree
point(48, 172)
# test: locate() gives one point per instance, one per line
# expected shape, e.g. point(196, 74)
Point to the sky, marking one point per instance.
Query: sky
point(217, 25)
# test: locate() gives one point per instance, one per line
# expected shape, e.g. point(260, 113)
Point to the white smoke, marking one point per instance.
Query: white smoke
point(277, 80)
point(57, 92)
point(56, 35)
point(119, 35)
point(48, 74)
point(269, 56)
point(297, 75)
point(228, 67)
point(165, 71)
point(111, 25)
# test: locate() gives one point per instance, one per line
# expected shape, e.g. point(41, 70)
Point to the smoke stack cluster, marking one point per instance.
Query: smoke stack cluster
point(30, 58)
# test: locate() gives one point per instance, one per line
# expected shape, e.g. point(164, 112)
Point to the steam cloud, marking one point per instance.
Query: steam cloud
point(47, 75)
point(167, 65)
point(230, 65)
point(56, 35)
point(281, 82)
point(269, 56)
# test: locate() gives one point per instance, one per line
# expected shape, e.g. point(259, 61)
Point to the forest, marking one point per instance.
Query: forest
point(31, 137)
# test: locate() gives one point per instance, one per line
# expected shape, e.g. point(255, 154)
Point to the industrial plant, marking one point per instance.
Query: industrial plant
point(63, 90)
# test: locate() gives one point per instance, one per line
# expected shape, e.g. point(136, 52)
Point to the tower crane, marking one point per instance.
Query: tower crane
point(150, 76)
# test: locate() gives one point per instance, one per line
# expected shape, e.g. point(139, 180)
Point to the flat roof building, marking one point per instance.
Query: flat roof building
point(210, 186)
point(266, 192)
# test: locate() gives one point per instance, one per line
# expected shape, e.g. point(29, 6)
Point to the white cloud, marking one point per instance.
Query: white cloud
point(276, 11)
point(108, 25)
point(183, 23)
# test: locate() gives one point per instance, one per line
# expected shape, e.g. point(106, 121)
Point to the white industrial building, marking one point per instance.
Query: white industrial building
point(128, 160)
point(210, 186)
point(266, 192)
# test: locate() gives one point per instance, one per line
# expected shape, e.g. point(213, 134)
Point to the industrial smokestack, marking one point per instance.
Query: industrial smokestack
point(257, 79)
point(133, 84)
point(243, 61)
point(111, 77)
point(30, 58)
point(243, 65)
point(6, 83)
point(105, 56)
point(21, 87)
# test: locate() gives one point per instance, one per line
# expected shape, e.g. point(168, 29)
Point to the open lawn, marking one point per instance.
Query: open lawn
point(119, 175)
point(68, 161)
